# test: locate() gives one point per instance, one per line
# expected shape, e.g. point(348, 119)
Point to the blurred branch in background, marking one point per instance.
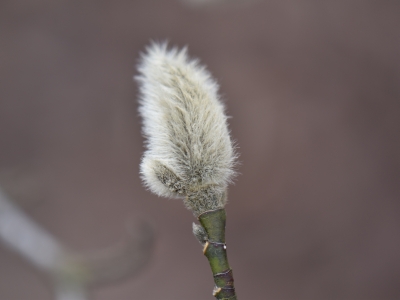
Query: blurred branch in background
point(201, 3)
point(70, 272)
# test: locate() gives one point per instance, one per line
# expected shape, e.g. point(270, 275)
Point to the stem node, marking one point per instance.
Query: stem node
point(215, 250)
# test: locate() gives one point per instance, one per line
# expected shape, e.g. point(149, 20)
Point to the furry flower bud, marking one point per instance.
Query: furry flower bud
point(189, 151)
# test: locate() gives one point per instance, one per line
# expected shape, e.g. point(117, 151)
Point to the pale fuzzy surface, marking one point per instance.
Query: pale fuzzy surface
point(189, 150)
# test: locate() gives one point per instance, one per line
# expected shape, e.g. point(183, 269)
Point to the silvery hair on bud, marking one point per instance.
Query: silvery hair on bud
point(189, 151)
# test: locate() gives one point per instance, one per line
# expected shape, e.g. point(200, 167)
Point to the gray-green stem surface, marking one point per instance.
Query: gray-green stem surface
point(215, 250)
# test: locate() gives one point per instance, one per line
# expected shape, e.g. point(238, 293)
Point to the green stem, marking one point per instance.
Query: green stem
point(215, 250)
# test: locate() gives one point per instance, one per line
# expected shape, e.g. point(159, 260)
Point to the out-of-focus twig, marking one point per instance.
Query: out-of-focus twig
point(124, 259)
point(72, 273)
point(64, 291)
point(207, 3)
point(24, 236)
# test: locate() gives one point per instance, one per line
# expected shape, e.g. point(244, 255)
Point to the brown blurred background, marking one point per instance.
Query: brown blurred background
point(314, 91)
